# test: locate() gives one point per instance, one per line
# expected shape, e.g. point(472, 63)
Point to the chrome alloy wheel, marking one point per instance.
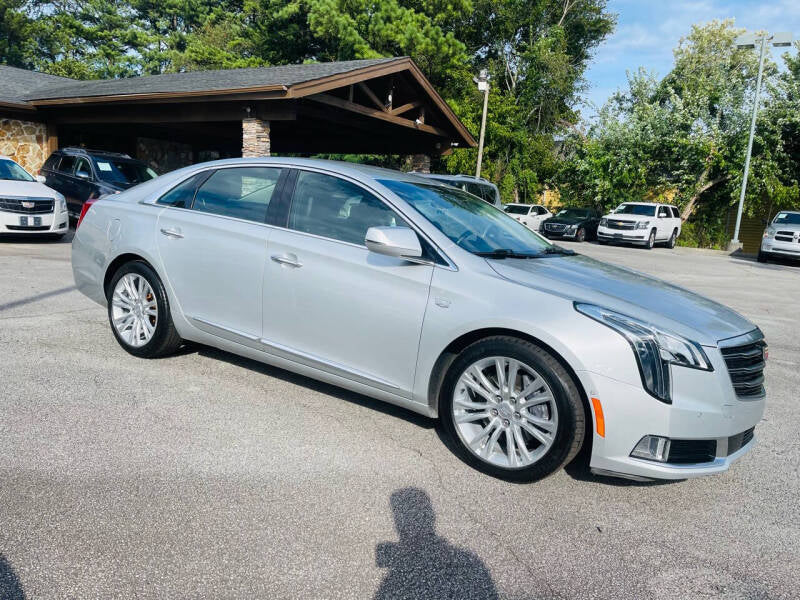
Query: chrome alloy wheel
point(134, 310)
point(504, 412)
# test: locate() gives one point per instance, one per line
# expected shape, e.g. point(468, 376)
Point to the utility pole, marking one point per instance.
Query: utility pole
point(483, 86)
point(749, 40)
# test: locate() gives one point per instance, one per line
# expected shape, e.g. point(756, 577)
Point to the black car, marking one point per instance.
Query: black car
point(578, 224)
point(80, 174)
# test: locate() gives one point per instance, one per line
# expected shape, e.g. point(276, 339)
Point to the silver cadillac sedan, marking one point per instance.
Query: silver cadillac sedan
point(419, 294)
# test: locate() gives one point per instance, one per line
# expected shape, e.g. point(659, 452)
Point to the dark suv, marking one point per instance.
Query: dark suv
point(80, 174)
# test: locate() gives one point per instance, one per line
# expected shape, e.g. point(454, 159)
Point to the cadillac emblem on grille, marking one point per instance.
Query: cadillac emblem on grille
point(27, 204)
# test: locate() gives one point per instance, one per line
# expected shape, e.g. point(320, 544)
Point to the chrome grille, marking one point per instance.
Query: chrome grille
point(27, 206)
point(620, 224)
point(785, 236)
point(746, 368)
point(554, 226)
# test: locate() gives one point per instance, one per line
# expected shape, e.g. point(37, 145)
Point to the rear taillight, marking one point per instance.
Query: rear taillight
point(85, 209)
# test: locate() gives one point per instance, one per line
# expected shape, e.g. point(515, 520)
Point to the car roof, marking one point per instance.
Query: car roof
point(469, 178)
point(649, 204)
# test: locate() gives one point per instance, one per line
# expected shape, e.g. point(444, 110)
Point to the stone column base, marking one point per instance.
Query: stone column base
point(255, 138)
point(421, 163)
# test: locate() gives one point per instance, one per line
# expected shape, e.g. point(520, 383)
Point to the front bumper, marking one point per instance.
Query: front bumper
point(628, 236)
point(704, 407)
point(39, 223)
point(784, 248)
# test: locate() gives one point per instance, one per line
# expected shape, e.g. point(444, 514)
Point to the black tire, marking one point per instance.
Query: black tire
point(651, 241)
point(672, 239)
point(762, 256)
point(571, 415)
point(165, 339)
point(580, 235)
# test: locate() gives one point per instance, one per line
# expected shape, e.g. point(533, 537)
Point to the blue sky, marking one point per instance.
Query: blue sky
point(648, 30)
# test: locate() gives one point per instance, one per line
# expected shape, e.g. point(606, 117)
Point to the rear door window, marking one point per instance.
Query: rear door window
point(181, 195)
point(67, 164)
point(675, 213)
point(242, 192)
point(330, 207)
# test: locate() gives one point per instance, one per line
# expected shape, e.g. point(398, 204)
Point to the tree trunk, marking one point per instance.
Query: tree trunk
point(702, 186)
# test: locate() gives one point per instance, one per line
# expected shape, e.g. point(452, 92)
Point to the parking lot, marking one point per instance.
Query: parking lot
point(209, 475)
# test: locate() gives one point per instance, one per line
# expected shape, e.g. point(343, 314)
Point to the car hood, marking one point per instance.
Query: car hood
point(779, 227)
point(583, 279)
point(32, 189)
point(628, 218)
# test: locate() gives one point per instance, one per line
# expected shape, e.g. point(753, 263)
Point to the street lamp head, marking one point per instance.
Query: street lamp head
point(746, 40)
point(782, 39)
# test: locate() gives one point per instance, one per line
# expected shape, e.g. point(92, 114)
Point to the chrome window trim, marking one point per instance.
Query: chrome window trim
point(153, 201)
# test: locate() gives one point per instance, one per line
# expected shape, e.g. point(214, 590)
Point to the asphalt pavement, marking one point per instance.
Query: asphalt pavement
point(208, 475)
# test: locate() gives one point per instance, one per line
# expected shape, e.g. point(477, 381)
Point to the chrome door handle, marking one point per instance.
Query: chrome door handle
point(285, 260)
point(172, 233)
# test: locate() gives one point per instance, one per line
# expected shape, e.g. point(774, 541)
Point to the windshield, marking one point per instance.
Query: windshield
point(468, 221)
point(644, 210)
point(786, 218)
point(517, 209)
point(572, 213)
point(124, 171)
point(11, 170)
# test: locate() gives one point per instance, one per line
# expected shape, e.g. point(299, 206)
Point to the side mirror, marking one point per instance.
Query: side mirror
point(41, 178)
point(82, 174)
point(400, 242)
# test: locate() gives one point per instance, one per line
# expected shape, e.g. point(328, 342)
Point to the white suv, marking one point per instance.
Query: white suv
point(530, 215)
point(27, 205)
point(644, 223)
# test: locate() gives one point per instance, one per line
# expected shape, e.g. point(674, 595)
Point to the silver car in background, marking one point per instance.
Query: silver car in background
point(782, 237)
point(422, 295)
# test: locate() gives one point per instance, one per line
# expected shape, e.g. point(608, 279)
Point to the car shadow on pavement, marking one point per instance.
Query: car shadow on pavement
point(312, 384)
point(423, 564)
point(10, 586)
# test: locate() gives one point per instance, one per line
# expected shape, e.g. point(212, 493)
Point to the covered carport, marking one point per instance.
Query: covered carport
point(380, 106)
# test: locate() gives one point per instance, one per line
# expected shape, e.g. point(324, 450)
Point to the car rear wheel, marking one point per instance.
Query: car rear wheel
point(651, 241)
point(138, 310)
point(672, 239)
point(511, 409)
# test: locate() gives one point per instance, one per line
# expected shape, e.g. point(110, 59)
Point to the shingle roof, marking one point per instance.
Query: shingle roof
point(200, 81)
point(17, 84)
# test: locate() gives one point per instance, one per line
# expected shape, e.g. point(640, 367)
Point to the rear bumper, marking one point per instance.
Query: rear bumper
point(12, 223)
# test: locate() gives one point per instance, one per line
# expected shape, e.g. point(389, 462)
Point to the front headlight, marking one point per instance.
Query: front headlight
point(769, 233)
point(572, 228)
point(654, 348)
point(642, 224)
point(62, 203)
point(603, 222)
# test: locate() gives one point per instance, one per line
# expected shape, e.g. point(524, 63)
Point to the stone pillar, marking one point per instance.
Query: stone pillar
point(421, 163)
point(255, 137)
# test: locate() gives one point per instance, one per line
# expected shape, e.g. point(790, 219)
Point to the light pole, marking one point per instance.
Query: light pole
point(483, 86)
point(750, 40)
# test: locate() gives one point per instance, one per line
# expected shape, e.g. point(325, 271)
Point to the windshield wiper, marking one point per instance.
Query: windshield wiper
point(555, 249)
point(506, 253)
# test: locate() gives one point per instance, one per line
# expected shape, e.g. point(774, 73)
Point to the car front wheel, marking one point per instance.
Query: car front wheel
point(651, 241)
point(762, 256)
point(511, 409)
point(580, 236)
point(138, 310)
